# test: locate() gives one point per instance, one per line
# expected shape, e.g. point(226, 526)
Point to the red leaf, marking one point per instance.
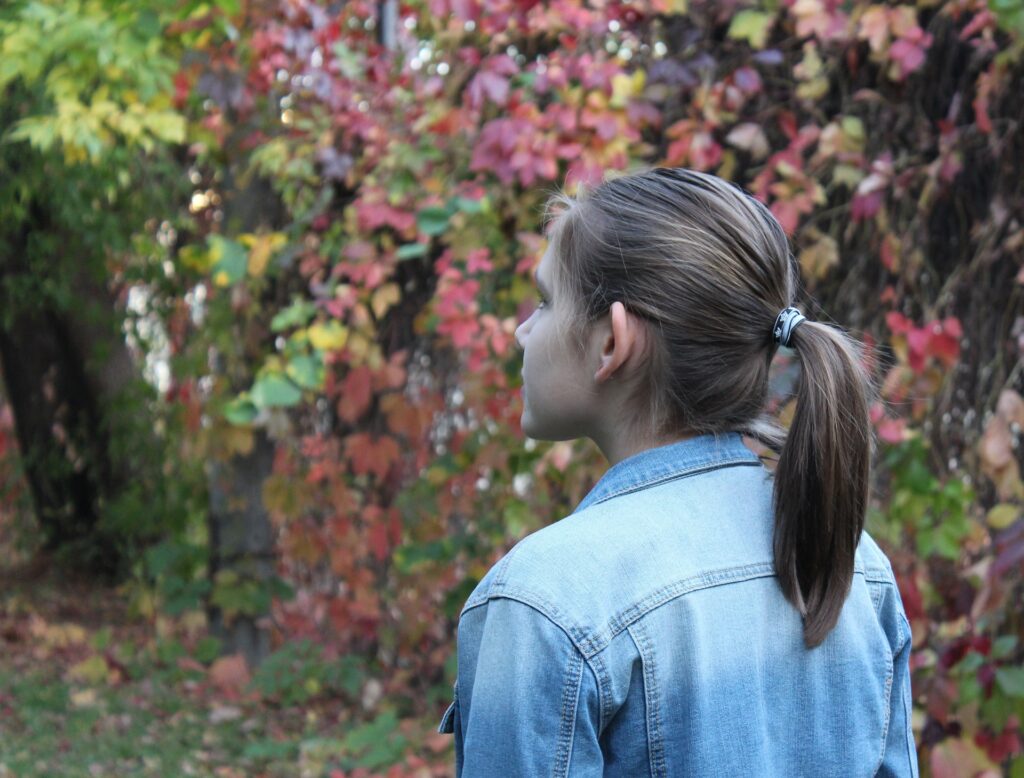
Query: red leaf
point(378, 540)
point(356, 393)
point(371, 456)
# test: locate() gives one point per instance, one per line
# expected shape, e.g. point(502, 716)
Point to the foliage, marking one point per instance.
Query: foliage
point(122, 700)
point(367, 324)
point(85, 101)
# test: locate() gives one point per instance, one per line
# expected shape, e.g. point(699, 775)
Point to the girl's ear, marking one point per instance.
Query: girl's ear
point(623, 340)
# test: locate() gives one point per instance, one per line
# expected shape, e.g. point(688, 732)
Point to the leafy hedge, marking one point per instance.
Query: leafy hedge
point(358, 248)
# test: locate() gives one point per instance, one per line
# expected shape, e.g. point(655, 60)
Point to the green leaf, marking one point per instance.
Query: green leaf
point(275, 391)
point(270, 749)
point(306, 370)
point(1003, 646)
point(1011, 680)
point(207, 649)
point(231, 260)
point(240, 411)
point(411, 251)
point(751, 26)
point(297, 314)
point(466, 205)
point(433, 220)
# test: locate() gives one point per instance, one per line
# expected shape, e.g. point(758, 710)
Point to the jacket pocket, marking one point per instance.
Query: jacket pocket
point(447, 725)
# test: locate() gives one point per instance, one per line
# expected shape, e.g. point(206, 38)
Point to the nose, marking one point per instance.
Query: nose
point(522, 330)
point(520, 334)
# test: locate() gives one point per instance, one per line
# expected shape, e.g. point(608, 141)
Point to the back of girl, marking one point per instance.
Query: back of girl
point(698, 613)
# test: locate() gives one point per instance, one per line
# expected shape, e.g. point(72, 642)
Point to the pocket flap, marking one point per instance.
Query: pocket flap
point(447, 725)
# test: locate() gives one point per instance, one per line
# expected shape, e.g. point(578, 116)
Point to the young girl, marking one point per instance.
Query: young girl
point(697, 614)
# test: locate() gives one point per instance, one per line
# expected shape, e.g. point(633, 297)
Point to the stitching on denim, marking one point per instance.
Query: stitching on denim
point(500, 568)
point(590, 644)
point(652, 703)
point(602, 680)
point(567, 724)
point(878, 575)
point(659, 597)
point(888, 698)
point(503, 565)
point(907, 644)
point(657, 480)
point(885, 724)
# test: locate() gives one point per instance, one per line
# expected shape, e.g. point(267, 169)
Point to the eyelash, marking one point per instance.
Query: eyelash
point(541, 301)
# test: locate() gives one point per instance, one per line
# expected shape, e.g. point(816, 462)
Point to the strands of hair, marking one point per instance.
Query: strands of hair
point(707, 268)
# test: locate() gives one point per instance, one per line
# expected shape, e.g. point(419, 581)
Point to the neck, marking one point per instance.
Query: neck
point(618, 447)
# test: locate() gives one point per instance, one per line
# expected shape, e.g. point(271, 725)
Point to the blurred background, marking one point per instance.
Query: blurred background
point(261, 263)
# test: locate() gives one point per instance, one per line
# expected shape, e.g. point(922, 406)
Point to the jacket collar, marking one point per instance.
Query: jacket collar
point(665, 463)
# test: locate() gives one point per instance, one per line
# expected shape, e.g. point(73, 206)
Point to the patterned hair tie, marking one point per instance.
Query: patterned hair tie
point(787, 321)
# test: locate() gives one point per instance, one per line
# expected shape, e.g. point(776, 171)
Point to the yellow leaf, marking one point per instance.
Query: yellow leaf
point(85, 698)
point(261, 249)
point(328, 336)
point(92, 671)
point(221, 278)
point(383, 298)
point(1002, 515)
point(237, 440)
point(669, 7)
point(853, 129)
point(627, 86)
point(820, 257)
point(358, 347)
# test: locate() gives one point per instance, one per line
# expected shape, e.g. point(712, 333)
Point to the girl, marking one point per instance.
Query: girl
point(697, 614)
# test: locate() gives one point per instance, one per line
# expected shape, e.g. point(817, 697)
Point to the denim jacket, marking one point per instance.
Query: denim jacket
point(646, 635)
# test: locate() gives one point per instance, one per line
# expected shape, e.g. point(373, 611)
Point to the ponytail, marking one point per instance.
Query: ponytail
point(822, 478)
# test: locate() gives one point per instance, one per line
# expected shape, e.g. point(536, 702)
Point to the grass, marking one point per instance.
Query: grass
point(88, 690)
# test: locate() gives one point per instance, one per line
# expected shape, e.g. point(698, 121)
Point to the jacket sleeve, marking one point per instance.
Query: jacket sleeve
point(899, 759)
point(530, 705)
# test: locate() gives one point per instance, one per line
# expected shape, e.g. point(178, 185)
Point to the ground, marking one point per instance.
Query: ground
point(89, 687)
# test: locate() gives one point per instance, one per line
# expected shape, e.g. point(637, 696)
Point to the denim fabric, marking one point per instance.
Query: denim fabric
point(646, 635)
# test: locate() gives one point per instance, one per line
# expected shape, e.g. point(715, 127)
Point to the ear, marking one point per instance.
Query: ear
point(618, 344)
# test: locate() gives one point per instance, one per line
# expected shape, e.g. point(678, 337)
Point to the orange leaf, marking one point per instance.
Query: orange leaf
point(371, 456)
point(230, 673)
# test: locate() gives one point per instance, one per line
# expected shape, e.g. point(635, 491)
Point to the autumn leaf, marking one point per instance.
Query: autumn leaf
point(328, 336)
point(371, 455)
point(230, 674)
point(356, 393)
point(749, 137)
point(751, 26)
point(261, 247)
point(1002, 516)
point(817, 259)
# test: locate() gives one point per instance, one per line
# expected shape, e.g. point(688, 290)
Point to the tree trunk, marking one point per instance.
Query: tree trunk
point(241, 544)
point(241, 538)
point(60, 378)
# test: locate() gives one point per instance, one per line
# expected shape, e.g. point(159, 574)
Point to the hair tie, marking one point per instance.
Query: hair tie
point(787, 321)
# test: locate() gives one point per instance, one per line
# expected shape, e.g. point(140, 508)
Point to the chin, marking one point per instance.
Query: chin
point(547, 433)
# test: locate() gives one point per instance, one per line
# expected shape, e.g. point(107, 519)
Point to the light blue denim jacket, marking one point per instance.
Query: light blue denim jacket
point(646, 635)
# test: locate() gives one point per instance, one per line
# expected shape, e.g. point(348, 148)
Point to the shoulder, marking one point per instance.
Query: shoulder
point(544, 566)
point(872, 561)
point(596, 570)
